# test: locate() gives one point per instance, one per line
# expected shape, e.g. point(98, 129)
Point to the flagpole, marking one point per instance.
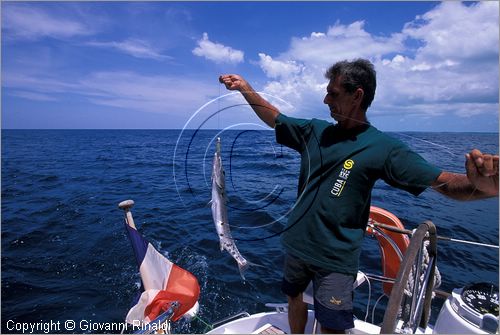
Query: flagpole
point(162, 281)
point(165, 318)
point(126, 205)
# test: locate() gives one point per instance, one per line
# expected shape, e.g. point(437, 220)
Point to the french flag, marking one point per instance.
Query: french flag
point(163, 282)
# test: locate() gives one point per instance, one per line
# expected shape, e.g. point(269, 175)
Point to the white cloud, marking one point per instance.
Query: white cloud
point(121, 89)
point(30, 22)
point(26, 81)
point(298, 75)
point(444, 62)
point(341, 42)
point(456, 65)
point(452, 71)
point(278, 69)
point(217, 52)
point(159, 94)
point(314, 34)
point(429, 110)
point(455, 31)
point(303, 92)
point(134, 47)
point(33, 96)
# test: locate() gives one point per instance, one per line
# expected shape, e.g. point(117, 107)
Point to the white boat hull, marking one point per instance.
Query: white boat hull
point(274, 322)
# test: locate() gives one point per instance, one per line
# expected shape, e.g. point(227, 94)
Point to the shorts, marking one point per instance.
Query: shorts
point(333, 292)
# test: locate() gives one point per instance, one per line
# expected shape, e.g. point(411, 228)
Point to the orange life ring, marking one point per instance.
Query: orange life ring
point(390, 257)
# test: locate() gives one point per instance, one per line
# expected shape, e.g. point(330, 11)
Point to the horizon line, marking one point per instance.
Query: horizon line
point(256, 129)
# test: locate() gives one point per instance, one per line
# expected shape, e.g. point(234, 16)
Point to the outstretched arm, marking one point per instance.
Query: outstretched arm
point(264, 110)
point(481, 180)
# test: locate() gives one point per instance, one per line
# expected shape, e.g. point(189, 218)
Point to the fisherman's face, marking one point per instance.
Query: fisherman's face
point(338, 100)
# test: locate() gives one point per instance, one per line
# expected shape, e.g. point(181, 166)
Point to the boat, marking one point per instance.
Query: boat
point(409, 277)
point(406, 263)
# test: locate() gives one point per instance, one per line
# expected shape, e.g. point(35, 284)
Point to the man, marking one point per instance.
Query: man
point(340, 164)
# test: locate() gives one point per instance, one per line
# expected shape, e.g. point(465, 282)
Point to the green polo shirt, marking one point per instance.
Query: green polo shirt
point(337, 172)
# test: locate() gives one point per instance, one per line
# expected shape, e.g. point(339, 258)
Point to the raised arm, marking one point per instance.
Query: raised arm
point(264, 110)
point(481, 180)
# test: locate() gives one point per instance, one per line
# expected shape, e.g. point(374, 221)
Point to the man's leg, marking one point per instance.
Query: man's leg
point(333, 295)
point(297, 314)
point(296, 276)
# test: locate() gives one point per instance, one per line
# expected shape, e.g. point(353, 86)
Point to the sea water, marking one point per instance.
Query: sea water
point(66, 256)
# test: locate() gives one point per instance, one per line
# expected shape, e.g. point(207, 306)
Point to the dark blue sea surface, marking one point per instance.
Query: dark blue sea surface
point(66, 256)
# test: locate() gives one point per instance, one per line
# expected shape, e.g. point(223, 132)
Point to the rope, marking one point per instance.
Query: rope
point(375, 306)
point(369, 296)
point(408, 291)
point(207, 325)
point(425, 264)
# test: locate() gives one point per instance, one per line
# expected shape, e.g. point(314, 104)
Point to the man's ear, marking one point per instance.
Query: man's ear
point(358, 95)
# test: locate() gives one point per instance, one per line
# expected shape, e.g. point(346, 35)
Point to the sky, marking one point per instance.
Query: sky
point(155, 65)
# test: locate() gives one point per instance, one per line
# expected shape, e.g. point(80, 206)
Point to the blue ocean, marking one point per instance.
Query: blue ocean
point(66, 256)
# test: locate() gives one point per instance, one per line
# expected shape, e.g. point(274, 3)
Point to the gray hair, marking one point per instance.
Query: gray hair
point(359, 73)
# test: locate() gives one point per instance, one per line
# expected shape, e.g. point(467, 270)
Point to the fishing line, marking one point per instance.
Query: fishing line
point(298, 198)
point(218, 108)
point(429, 142)
point(304, 213)
point(207, 149)
point(190, 189)
point(206, 324)
point(442, 147)
point(450, 152)
point(234, 187)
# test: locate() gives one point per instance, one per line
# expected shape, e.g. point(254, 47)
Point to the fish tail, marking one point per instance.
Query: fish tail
point(254, 264)
point(243, 267)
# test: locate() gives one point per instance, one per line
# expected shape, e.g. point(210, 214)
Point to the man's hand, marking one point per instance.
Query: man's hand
point(233, 82)
point(482, 171)
point(264, 110)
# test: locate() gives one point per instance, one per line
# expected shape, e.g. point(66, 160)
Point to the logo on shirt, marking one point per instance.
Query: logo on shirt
point(335, 301)
point(348, 164)
point(339, 184)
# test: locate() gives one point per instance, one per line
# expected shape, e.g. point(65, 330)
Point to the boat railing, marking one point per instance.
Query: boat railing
point(376, 227)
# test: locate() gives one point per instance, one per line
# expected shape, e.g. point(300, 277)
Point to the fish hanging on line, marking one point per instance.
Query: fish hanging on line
point(219, 212)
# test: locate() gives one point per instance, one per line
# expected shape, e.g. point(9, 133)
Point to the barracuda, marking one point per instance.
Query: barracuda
point(219, 212)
